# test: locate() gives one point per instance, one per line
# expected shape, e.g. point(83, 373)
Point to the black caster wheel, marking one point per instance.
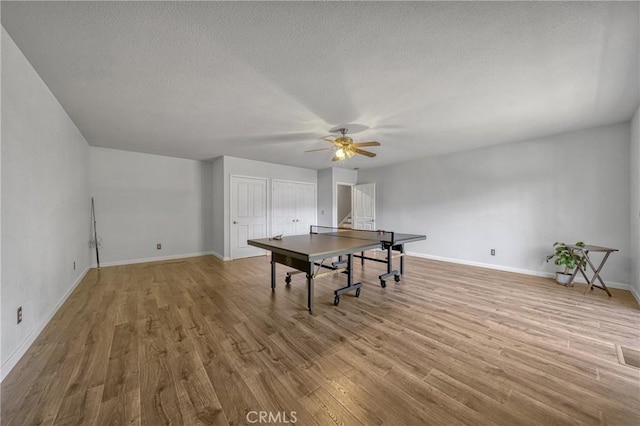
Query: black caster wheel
point(383, 284)
point(336, 300)
point(358, 293)
point(287, 280)
point(397, 278)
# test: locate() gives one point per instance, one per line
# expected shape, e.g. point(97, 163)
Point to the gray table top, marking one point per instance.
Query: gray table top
point(588, 247)
point(313, 247)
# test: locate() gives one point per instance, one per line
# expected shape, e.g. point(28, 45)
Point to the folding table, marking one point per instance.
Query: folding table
point(584, 252)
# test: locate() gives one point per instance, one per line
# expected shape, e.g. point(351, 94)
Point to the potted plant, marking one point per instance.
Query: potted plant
point(563, 255)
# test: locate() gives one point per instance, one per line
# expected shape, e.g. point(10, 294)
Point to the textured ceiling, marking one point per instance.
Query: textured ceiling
point(266, 80)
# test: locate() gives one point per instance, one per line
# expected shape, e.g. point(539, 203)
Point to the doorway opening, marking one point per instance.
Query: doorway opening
point(343, 206)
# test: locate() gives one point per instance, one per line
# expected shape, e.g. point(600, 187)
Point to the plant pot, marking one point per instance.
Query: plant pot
point(562, 278)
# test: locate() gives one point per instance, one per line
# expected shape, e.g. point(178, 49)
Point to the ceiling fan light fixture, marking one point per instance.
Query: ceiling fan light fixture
point(345, 148)
point(350, 152)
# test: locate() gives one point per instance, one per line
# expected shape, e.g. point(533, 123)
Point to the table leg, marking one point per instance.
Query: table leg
point(390, 271)
point(573, 276)
point(583, 271)
point(579, 269)
point(402, 259)
point(339, 263)
point(350, 285)
point(310, 292)
point(273, 272)
point(600, 269)
point(592, 281)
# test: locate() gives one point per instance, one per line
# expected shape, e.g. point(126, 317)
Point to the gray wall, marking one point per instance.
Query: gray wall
point(635, 204)
point(3, 371)
point(206, 198)
point(517, 198)
point(45, 204)
point(325, 197)
point(218, 207)
point(144, 199)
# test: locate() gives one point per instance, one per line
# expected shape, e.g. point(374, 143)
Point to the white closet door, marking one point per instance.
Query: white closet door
point(248, 215)
point(283, 210)
point(305, 199)
point(293, 207)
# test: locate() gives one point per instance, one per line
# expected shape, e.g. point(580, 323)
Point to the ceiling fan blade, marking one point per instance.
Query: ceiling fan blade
point(363, 152)
point(372, 143)
point(321, 149)
point(336, 158)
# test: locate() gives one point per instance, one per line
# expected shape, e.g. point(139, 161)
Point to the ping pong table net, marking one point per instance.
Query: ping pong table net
point(362, 234)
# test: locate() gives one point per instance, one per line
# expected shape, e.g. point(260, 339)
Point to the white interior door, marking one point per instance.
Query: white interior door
point(248, 215)
point(363, 203)
point(305, 200)
point(283, 209)
point(293, 207)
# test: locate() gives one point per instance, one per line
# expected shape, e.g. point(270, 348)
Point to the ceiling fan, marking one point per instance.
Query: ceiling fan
point(345, 147)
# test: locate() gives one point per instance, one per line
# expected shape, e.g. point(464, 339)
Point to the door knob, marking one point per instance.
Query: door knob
point(235, 222)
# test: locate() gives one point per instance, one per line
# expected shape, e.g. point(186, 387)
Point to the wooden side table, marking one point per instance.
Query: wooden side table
point(584, 252)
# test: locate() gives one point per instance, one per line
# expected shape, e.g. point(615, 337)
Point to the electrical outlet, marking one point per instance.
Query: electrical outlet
point(159, 246)
point(493, 252)
point(19, 314)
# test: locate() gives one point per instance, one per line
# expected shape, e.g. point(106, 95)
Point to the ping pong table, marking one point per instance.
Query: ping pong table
point(307, 254)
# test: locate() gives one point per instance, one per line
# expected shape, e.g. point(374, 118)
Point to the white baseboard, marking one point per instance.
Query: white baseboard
point(221, 257)
point(15, 356)
point(612, 284)
point(154, 259)
point(635, 294)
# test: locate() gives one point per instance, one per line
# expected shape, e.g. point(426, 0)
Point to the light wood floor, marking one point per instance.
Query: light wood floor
point(199, 341)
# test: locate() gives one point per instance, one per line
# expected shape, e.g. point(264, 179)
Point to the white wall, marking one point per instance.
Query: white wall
point(345, 175)
point(144, 199)
point(325, 197)
point(517, 198)
point(2, 370)
point(218, 207)
point(635, 204)
point(45, 204)
point(207, 201)
point(240, 167)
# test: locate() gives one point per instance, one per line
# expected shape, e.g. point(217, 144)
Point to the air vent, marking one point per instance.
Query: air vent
point(628, 356)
